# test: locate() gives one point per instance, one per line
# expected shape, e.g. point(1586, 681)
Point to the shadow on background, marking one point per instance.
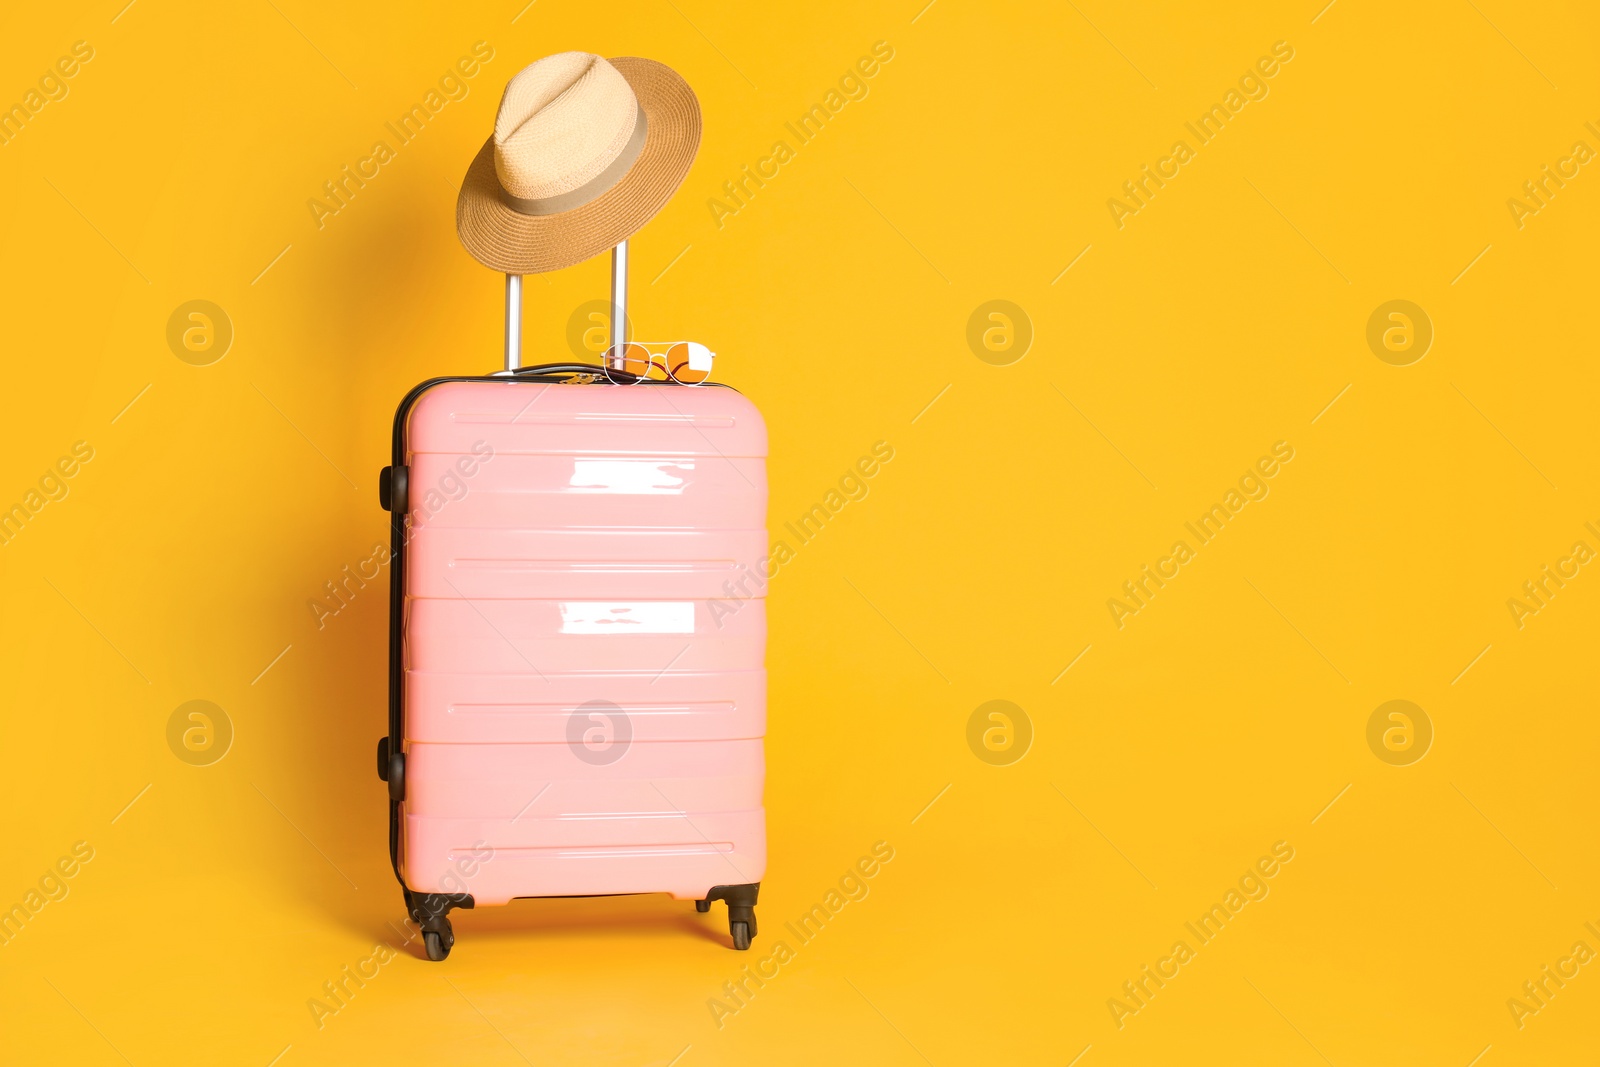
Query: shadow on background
point(364, 293)
point(551, 919)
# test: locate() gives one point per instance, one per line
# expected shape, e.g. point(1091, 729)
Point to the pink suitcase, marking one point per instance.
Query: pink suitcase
point(576, 668)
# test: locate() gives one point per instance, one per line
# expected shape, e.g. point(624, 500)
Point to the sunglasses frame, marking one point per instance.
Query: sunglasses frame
point(611, 358)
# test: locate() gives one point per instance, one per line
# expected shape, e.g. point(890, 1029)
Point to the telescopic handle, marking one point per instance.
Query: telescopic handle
point(619, 295)
point(619, 308)
point(513, 322)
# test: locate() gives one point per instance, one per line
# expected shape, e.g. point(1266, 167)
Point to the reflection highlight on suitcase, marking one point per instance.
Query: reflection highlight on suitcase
point(630, 475)
point(638, 617)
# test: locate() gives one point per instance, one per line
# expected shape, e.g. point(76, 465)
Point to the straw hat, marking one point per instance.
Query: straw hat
point(585, 152)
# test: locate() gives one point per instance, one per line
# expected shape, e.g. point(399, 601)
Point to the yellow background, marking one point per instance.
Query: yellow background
point(1224, 717)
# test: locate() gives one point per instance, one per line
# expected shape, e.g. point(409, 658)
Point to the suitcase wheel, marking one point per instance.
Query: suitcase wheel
point(437, 943)
point(431, 911)
point(741, 901)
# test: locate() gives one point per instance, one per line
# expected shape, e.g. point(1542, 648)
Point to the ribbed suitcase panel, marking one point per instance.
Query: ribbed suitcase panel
point(498, 489)
point(486, 562)
point(499, 781)
point(611, 420)
point(460, 708)
point(679, 856)
point(637, 640)
point(585, 691)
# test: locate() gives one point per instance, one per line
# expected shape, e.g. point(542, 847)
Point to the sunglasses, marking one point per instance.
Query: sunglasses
point(683, 362)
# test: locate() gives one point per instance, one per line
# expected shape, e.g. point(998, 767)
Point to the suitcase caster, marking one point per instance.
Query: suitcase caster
point(741, 910)
point(430, 911)
point(438, 943)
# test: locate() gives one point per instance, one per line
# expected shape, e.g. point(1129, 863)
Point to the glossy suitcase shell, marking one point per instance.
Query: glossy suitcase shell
point(583, 636)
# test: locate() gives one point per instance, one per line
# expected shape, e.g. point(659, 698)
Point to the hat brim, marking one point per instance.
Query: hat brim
point(504, 239)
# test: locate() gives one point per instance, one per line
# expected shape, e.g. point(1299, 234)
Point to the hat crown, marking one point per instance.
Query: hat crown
point(562, 121)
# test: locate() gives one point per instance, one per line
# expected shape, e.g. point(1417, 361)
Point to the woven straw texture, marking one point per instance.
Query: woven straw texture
point(506, 240)
point(561, 122)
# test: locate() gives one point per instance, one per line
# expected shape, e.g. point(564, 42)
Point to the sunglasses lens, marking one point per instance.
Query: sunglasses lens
point(626, 364)
point(689, 362)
